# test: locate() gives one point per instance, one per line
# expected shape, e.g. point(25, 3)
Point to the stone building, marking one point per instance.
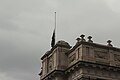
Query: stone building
point(86, 60)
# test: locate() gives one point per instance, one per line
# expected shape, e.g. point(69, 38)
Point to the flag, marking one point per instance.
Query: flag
point(53, 39)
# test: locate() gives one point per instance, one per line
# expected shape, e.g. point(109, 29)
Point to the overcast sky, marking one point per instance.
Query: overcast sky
point(26, 28)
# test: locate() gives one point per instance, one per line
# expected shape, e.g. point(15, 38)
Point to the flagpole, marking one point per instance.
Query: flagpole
point(55, 29)
point(55, 20)
point(55, 26)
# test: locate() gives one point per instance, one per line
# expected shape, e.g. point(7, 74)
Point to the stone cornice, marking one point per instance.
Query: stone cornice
point(52, 73)
point(90, 64)
point(80, 64)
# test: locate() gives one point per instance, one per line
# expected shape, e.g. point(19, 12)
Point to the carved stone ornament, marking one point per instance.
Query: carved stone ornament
point(101, 55)
point(50, 65)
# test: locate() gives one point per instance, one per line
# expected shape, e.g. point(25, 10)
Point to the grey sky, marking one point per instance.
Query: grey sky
point(26, 27)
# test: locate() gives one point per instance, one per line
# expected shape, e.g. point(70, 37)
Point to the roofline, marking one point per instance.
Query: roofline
point(51, 50)
point(94, 45)
point(78, 44)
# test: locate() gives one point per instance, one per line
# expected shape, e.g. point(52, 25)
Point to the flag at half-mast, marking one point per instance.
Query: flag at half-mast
point(53, 39)
point(53, 36)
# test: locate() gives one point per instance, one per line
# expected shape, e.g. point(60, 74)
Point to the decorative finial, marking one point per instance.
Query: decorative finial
point(82, 37)
point(109, 43)
point(89, 39)
point(78, 39)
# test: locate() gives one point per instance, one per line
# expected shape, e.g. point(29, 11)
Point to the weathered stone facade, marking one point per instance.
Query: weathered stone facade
point(84, 61)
